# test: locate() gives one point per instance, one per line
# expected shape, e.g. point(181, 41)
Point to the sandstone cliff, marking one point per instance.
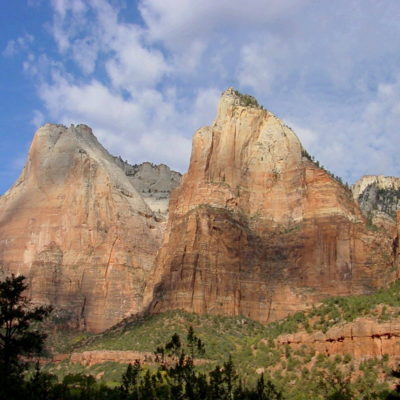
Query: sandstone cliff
point(256, 228)
point(75, 225)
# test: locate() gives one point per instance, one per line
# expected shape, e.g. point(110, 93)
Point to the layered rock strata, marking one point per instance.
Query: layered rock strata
point(256, 228)
point(89, 358)
point(363, 338)
point(77, 228)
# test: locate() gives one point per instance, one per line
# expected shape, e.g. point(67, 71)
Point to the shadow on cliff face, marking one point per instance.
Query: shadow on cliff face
point(221, 266)
point(223, 263)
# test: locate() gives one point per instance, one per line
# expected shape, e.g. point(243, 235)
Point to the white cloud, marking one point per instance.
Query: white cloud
point(361, 144)
point(261, 64)
point(178, 23)
point(15, 46)
point(330, 68)
point(148, 128)
point(205, 106)
point(134, 66)
point(380, 129)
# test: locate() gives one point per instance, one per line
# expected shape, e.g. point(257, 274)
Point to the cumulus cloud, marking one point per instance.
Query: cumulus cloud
point(129, 113)
point(149, 128)
point(179, 23)
point(147, 81)
point(380, 126)
point(362, 144)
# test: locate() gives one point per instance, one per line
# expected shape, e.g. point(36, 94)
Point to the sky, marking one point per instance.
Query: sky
point(145, 75)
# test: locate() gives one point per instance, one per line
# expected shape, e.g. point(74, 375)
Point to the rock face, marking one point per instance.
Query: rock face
point(362, 338)
point(75, 225)
point(378, 195)
point(257, 229)
point(89, 358)
point(153, 182)
point(93, 357)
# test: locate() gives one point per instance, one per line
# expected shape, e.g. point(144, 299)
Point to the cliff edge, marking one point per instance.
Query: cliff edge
point(256, 228)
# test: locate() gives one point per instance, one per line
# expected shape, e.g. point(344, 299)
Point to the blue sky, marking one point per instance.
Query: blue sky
point(146, 74)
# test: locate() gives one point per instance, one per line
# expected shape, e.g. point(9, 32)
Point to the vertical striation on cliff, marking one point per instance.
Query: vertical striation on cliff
point(256, 228)
point(75, 225)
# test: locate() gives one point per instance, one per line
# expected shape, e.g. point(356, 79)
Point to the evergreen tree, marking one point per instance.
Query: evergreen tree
point(18, 337)
point(130, 380)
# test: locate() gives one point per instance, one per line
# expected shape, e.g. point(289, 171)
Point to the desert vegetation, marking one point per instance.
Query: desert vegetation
point(206, 357)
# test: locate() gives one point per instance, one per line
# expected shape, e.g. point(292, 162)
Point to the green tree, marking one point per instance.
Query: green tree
point(194, 344)
point(19, 339)
point(41, 385)
point(130, 380)
point(267, 391)
point(335, 385)
point(395, 394)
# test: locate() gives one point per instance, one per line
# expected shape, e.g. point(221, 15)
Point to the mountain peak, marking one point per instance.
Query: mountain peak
point(232, 100)
point(76, 226)
point(266, 233)
point(50, 133)
point(236, 98)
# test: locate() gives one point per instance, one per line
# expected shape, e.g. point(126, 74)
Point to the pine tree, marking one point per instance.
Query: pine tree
point(18, 338)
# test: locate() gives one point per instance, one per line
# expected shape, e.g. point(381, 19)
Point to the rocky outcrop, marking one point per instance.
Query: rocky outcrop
point(258, 229)
point(362, 338)
point(93, 357)
point(153, 182)
point(378, 195)
point(77, 228)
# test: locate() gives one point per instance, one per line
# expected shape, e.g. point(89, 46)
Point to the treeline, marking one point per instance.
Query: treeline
point(174, 377)
point(180, 370)
point(311, 158)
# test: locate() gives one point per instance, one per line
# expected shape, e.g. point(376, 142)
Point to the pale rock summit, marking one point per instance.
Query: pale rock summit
point(77, 228)
point(381, 181)
point(378, 195)
point(153, 182)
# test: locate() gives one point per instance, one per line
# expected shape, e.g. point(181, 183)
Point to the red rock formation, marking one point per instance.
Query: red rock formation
point(257, 229)
point(93, 357)
point(89, 358)
point(362, 338)
point(77, 228)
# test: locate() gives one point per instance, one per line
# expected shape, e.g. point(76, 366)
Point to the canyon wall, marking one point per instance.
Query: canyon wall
point(257, 228)
point(254, 228)
point(77, 228)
